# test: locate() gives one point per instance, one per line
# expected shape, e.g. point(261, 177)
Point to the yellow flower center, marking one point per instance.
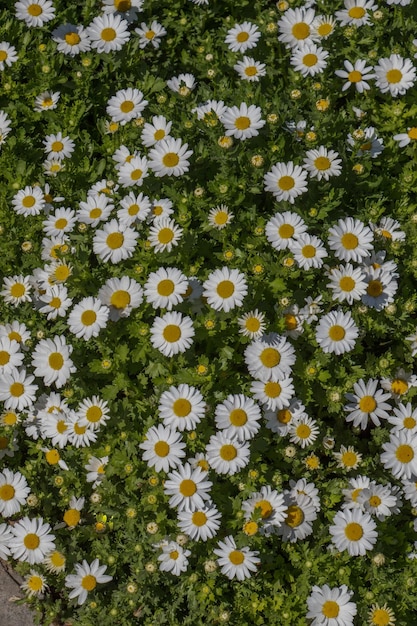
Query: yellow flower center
point(409, 422)
point(412, 133)
point(7, 492)
point(159, 134)
point(182, 407)
point(324, 29)
point(199, 518)
point(57, 146)
point(57, 559)
point(47, 102)
point(161, 448)
point(399, 386)
point(303, 431)
point(295, 516)
point(228, 452)
point(284, 416)
point(187, 487)
point(14, 335)
point(286, 183)
point(72, 39)
point(251, 70)
point(270, 357)
point(89, 582)
point(35, 583)
point(171, 333)
point(127, 106)
point(353, 531)
point(236, 557)
point(122, 5)
point(394, 76)
point(136, 174)
point(3, 55)
point(347, 283)
point(61, 427)
point(174, 555)
point(330, 609)
point(375, 501)
point(221, 218)
point(238, 417)
point(165, 287)
point(301, 30)
point(265, 507)
point(120, 299)
point(55, 303)
point(322, 163)
point(52, 457)
point(34, 10)
point(115, 240)
point(150, 34)
point(354, 76)
point(94, 414)
point(9, 419)
point(95, 213)
point(250, 528)
point(165, 235)
point(79, 430)
point(4, 357)
point(349, 241)
point(356, 12)
point(337, 333)
point(225, 289)
point(312, 462)
point(88, 318)
point(381, 617)
point(170, 159)
point(310, 59)
point(133, 209)
point(56, 360)
point(108, 34)
point(28, 201)
point(404, 453)
point(272, 390)
point(62, 272)
point(31, 541)
point(242, 122)
point(286, 231)
point(367, 404)
point(308, 251)
point(17, 389)
point(349, 459)
point(241, 37)
point(252, 324)
point(366, 146)
point(72, 517)
point(374, 288)
point(17, 290)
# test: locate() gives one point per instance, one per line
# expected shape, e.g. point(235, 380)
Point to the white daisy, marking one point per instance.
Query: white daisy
point(300, 514)
point(238, 416)
point(133, 209)
point(389, 229)
point(220, 216)
point(187, 487)
point(404, 139)
point(164, 234)
point(95, 209)
point(279, 420)
point(17, 390)
point(236, 562)
point(87, 318)
point(226, 454)
point(274, 395)
point(337, 332)
point(51, 360)
point(52, 166)
point(400, 454)
point(395, 75)
point(296, 27)
point(55, 562)
point(172, 333)
point(162, 207)
point(242, 37)
point(79, 435)
point(270, 358)
point(47, 100)
point(243, 122)
point(155, 132)
point(200, 524)
point(133, 172)
point(151, 34)
point(17, 331)
point(308, 251)
point(125, 105)
point(54, 426)
point(303, 430)
point(54, 302)
point(169, 157)
point(28, 201)
point(35, 13)
point(301, 489)
point(323, 26)
point(182, 84)
point(378, 500)
point(286, 181)
point(322, 163)
point(71, 39)
point(399, 384)
point(367, 142)
point(283, 228)
point(405, 418)
point(10, 355)
point(14, 491)
point(72, 515)
point(331, 606)
point(6, 536)
point(366, 404)
point(166, 288)
point(93, 412)
point(347, 283)
point(96, 469)
point(60, 222)
point(57, 146)
point(85, 579)
point(34, 584)
point(8, 55)
point(182, 407)
point(350, 239)
point(225, 289)
point(121, 295)
point(381, 288)
point(252, 324)
point(115, 242)
point(249, 69)
point(357, 74)
point(347, 458)
point(356, 12)
point(108, 33)
point(128, 9)
point(32, 540)
point(353, 531)
point(163, 448)
point(269, 505)
point(173, 558)
point(356, 485)
point(309, 59)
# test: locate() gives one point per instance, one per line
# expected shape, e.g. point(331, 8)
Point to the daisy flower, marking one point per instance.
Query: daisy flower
point(400, 454)
point(238, 416)
point(219, 217)
point(87, 318)
point(356, 485)
point(274, 395)
point(378, 500)
point(243, 122)
point(35, 13)
point(29, 201)
point(72, 515)
point(303, 430)
point(249, 69)
point(336, 332)
point(187, 488)
point(308, 251)
point(182, 84)
point(322, 163)
point(57, 146)
point(169, 157)
point(172, 333)
point(309, 59)
point(296, 27)
point(389, 229)
point(323, 26)
point(10, 355)
point(200, 524)
point(380, 290)
point(54, 426)
point(8, 55)
point(162, 207)
point(356, 12)
point(286, 181)
point(166, 288)
point(96, 208)
point(155, 132)
point(51, 360)
point(353, 531)
point(399, 384)
point(405, 418)
point(52, 166)
point(34, 584)
point(413, 340)
point(96, 470)
point(128, 9)
point(85, 579)
point(347, 458)
point(235, 562)
point(108, 33)
point(17, 331)
point(61, 222)
point(383, 614)
point(395, 75)
point(300, 514)
point(226, 454)
point(368, 142)
point(347, 283)
point(242, 37)
point(164, 234)
point(252, 324)
point(93, 412)
point(151, 34)
point(121, 295)
point(17, 390)
point(279, 421)
point(55, 562)
point(367, 403)
point(71, 39)
point(270, 358)
point(269, 505)
point(225, 289)
point(182, 407)
point(163, 448)
point(79, 435)
point(133, 172)
point(210, 110)
point(283, 228)
point(357, 74)
point(350, 239)
point(173, 558)
point(404, 139)
point(331, 606)
point(32, 540)
point(133, 209)
point(115, 242)
point(47, 100)
point(125, 105)
point(14, 491)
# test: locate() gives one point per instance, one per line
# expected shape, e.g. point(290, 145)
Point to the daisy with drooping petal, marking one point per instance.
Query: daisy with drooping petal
point(87, 318)
point(236, 562)
point(35, 13)
point(238, 416)
point(71, 39)
point(394, 75)
point(17, 390)
point(169, 157)
point(133, 172)
point(201, 523)
point(115, 242)
point(405, 418)
point(300, 514)
point(309, 59)
point(10, 355)
point(249, 69)
point(225, 289)
point(283, 228)
point(46, 100)
point(267, 503)
point(274, 395)
point(95, 209)
point(8, 55)
point(51, 360)
point(322, 163)
point(34, 584)
point(173, 558)
point(252, 324)
point(303, 430)
point(366, 403)
point(308, 251)
point(164, 234)
point(151, 34)
point(187, 487)
point(14, 491)
point(242, 122)
point(28, 201)
point(108, 33)
point(242, 37)
point(286, 181)
point(350, 239)
point(400, 454)
point(226, 454)
point(331, 607)
point(172, 333)
point(356, 12)
point(357, 74)
point(353, 531)
point(121, 295)
point(182, 407)
point(163, 448)
point(85, 579)
point(165, 288)
point(296, 27)
point(125, 105)
point(32, 540)
point(72, 515)
point(270, 358)
point(337, 332)
point(347, 283)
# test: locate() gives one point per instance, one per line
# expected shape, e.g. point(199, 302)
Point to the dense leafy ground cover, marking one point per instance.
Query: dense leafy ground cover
point(208, 311)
